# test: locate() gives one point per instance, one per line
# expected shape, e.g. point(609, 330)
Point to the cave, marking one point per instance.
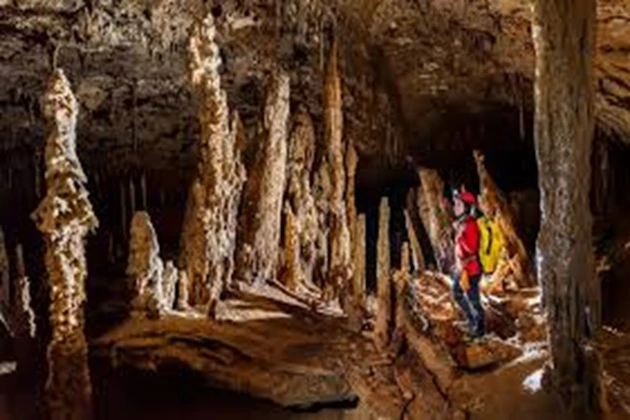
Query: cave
point(314, 209)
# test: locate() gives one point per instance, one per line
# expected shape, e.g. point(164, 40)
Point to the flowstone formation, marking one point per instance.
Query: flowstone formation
point(145, 267)
point(209, 229)
point(259, 230)
point(65, 217)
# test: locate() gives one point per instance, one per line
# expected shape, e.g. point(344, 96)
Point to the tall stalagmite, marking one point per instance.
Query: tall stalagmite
point(494, 199)
point(436, 218)
point(563, 32)
point(259, 231)
point(65, 217)
point(340, 268)
point(384, 287)
point(145, 267)
point(209, 229)
point(299, 191)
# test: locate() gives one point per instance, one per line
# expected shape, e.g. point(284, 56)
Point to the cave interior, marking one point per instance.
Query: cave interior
point(273, 183)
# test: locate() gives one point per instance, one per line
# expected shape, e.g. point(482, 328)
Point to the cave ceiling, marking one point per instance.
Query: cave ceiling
point(406, 65)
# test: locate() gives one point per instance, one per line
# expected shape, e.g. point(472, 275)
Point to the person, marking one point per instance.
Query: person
point(467, 271)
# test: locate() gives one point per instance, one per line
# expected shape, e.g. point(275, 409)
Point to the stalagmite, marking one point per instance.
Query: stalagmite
point(291, 274)
point(169, 285)
point(299, 192)
point(65, 217)
point(5, 293)
point(209, 227)
point(418, 260)
point(144, 267)
point(358, 270)
point(259, 234)
point(384, 287)
point(340, 269)
point(436, 218)
point(23, 316)
point(563, 32)
point(322, 193)
point(352, 161)
point(417, 228)
point(182, 291)
point(494, 199)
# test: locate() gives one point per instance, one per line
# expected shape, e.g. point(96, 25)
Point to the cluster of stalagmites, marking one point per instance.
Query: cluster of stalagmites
point(293, 221)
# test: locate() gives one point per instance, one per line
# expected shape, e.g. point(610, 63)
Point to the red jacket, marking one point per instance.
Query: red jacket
point(467, 245)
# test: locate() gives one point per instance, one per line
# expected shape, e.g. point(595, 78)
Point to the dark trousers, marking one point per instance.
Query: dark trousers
point(470, 303)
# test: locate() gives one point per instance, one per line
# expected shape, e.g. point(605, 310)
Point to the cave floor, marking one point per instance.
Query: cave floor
point(281, 353)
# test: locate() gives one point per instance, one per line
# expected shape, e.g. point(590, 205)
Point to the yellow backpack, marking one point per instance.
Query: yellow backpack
point(490, 244)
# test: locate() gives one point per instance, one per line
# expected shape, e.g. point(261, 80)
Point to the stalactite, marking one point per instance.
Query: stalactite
point(340, 269)
point(382, 328)
point(259, 236)
point(299, 192)
point(208, 234)
point(145, 267)
point(5, 291)
point(436, 218)
point(495, 200)
point(65, 217)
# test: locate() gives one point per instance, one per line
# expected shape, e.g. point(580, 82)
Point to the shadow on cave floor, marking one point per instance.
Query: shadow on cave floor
point(130, 395)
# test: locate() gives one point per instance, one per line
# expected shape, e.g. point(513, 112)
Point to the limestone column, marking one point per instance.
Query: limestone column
point(65, 217)
point(260, 226)
point(563, 32)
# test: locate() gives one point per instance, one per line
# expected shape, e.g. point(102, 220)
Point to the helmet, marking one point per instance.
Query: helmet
point(466, 197)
